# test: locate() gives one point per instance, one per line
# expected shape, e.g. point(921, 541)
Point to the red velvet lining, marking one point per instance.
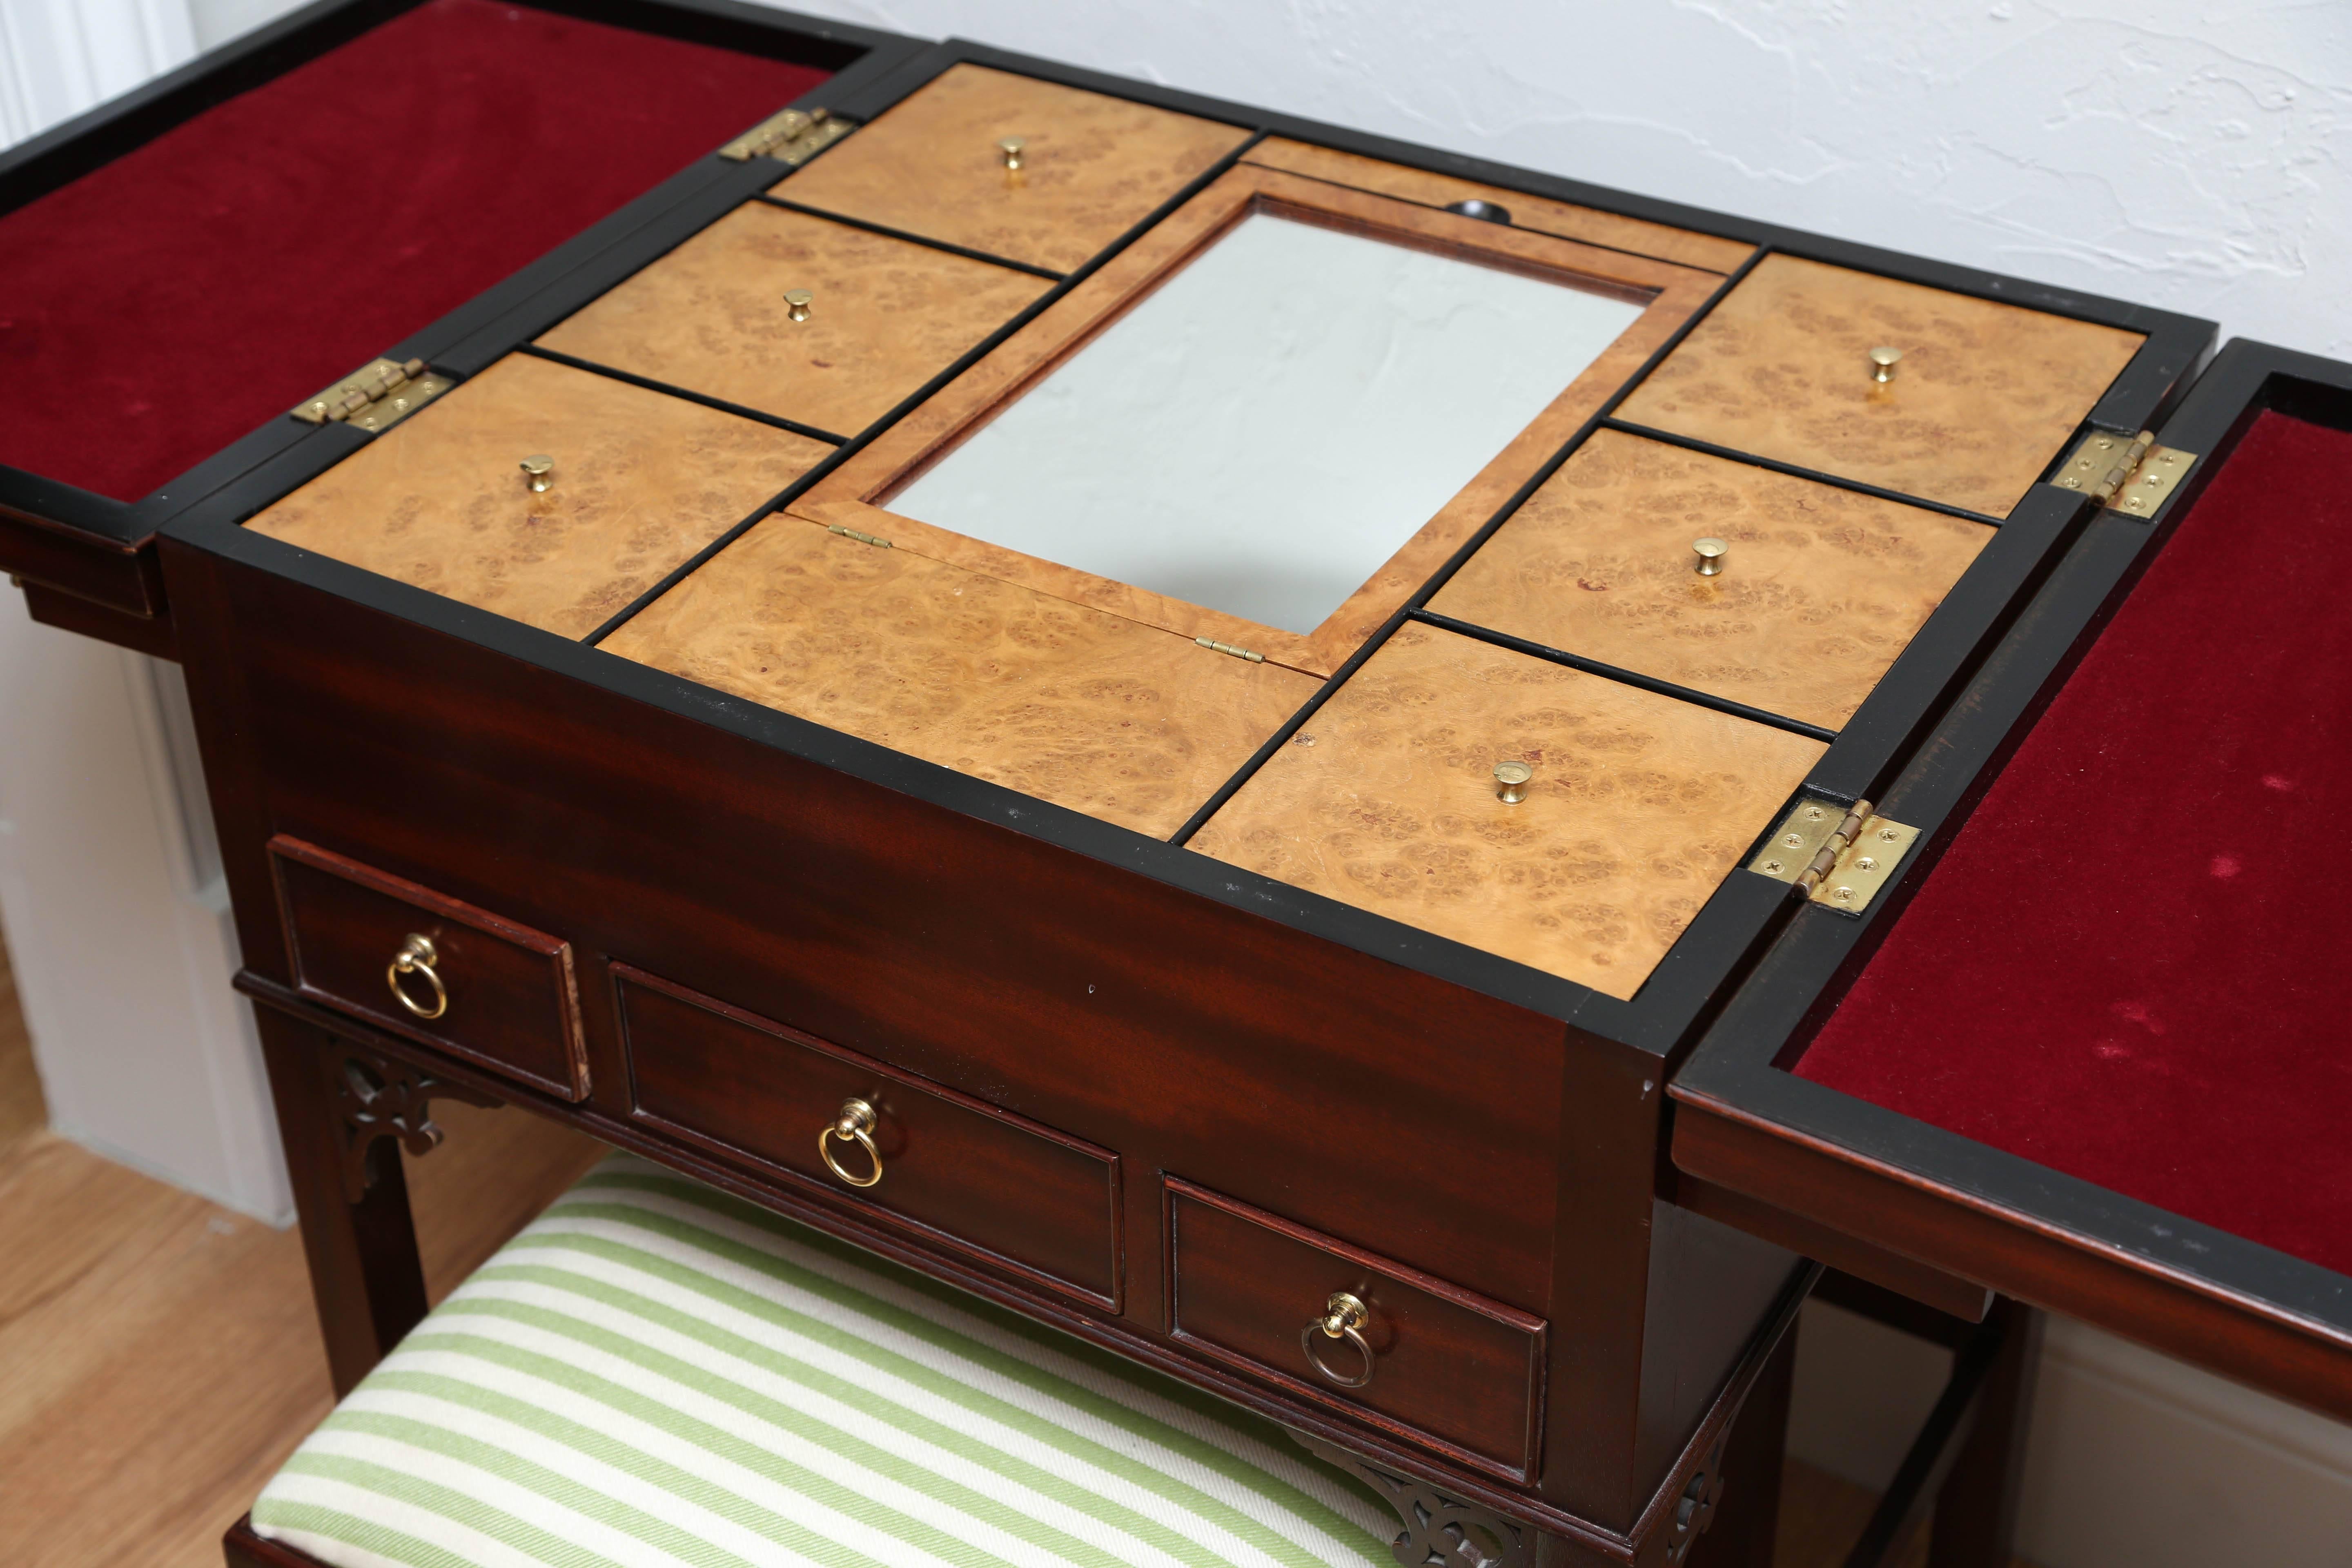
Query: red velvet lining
point(159, 309)
point(2130, 964)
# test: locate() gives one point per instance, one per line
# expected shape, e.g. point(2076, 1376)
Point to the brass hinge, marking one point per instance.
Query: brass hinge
point(1215, 647)
point(1834, 855)
point(874, 539)
point(376, 397)
point(793, 137)
point(2134, 476)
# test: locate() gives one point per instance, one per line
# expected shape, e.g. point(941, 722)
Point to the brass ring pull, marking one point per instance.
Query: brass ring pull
point(417, 955)
point(854, 1125)
point(1343, 1318)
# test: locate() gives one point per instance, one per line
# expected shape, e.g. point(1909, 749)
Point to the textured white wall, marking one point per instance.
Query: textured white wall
point(2189, 155)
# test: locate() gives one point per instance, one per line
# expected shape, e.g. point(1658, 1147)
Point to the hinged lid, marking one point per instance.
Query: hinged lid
point(2134, 476)
point(793, 137)
point(376, 396)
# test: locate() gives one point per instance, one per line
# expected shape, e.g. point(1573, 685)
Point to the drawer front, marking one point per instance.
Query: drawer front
point(473, 983)
point(1250, 1288)
point(1013, 1193)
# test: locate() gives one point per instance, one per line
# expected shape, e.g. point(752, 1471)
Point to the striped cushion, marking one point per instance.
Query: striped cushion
point(654, 1373)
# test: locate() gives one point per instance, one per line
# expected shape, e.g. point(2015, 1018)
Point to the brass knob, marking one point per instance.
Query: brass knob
point(1883, 362)
point(1011, 149)
point(417, 955)
point(797, 301)
point(1710, 553)
point(1511, 782)
point(539, 472)
point(855, 1124)
point(1343, 1318)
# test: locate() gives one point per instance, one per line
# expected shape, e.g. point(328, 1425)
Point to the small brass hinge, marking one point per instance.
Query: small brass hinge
point(874, 539)
point(1834, 855)
point(2134, 476)
point(376, 397)
point(1214, 646)
point(793, 137)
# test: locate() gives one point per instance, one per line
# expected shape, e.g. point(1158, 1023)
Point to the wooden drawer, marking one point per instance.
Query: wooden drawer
point(1250, 1288)
point(884, 316)
point(964, 1174)
point(493, 992)
point(1818, 591)
point(1093, 166)
point(1982, 399)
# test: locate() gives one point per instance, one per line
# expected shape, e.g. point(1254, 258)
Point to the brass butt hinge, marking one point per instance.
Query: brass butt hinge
point(377, 396)
point(1213, 645)
point(876, 540)
point(793, 137)
point(1834, 855)
point(2134, 476)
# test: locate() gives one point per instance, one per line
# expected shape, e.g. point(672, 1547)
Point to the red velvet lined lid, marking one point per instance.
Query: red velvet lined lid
point(2150, 995)
point(159, 309)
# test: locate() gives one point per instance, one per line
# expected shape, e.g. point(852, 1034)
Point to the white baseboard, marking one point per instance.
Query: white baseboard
point(2135, 1460)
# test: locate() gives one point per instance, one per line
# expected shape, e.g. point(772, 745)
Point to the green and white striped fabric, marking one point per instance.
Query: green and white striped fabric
point(655, 1375)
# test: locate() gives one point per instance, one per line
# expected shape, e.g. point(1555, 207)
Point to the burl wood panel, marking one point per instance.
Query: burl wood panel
point(1091, 711)
point(1244, 1282)
point(1538, 213)
point(710, 317)
point(1820, 589)
point(1638, 806)
point(955, 1169)
point(1985, 395)
point(966, 403)
point(642, 481)
point(1095, 166)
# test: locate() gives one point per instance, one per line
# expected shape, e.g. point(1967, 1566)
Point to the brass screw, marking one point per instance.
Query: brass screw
point(1882, 364)
point(1710, 553)
point(1865, 863)
point(1511, 782)
point(539, 472)
point(797, 300)
point(1775, 866)
point(1889, 834)
point(1795, 840)
point(1012, 147)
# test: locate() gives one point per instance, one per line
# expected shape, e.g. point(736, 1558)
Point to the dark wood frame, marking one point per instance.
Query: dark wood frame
point(1895, 1198)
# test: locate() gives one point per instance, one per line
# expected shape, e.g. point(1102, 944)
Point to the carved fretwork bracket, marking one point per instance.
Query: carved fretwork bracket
point(1440, 1531)
point(382, 1097)
point(1695, 1509)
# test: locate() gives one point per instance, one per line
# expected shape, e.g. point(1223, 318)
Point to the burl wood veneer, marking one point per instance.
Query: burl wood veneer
point(858, 494)
point(710, 317)
point(1543, 216)
point(642, 481)
point(1093, 168)
point(1086, 710)
point(1985, 395)
point(1638, 806)
point(1821, 590)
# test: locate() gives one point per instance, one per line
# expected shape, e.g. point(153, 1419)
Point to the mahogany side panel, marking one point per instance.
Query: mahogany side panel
point(966, 1174)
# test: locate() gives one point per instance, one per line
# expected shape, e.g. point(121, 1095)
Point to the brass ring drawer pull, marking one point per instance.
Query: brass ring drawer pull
point(1343, 1318)
point(854, 1125)
point(417, 955)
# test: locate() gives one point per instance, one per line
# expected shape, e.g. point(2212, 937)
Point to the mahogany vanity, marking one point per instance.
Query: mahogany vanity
point(1379, 866)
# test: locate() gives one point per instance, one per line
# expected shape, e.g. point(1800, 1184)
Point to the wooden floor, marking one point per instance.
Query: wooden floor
point(158, 1356)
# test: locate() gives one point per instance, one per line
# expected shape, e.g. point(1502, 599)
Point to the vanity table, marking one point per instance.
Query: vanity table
point(1293, 755)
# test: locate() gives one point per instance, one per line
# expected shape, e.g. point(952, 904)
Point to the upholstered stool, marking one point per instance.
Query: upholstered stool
point(654, 1373)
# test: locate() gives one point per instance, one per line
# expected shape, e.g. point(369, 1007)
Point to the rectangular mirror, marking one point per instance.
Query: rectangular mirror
point(1267, 428)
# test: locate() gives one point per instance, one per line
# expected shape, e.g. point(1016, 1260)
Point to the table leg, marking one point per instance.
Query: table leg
point(1747, 1516)
point(343, 1113)
point(1976, 1513)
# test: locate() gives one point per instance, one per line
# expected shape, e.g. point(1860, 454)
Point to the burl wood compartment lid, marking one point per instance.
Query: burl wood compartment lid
point(1640, 806)
point(710, 317)
point(1820, 589)
point(1539, 214)
point(642, 481)
point(1093, 168)
point(1985, 395)
point(1084, 708)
